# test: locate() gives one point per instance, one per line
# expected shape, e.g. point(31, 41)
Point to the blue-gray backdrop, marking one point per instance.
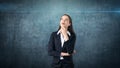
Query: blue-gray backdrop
point(26, 25)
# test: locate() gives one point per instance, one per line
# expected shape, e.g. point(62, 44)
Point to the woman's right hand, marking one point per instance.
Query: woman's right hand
point(67, 54)
point(63, 31)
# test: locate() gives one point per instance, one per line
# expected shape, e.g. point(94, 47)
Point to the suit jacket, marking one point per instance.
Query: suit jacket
point(55, 49)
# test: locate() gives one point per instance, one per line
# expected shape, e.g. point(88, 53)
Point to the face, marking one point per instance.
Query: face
point(65, 22)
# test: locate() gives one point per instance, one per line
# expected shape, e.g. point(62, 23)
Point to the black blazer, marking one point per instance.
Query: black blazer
point(55, 49)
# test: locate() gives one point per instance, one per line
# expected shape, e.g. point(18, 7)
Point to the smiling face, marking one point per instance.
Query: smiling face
point(65, 21)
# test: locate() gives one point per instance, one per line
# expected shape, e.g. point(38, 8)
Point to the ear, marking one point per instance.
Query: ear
point(69, 24)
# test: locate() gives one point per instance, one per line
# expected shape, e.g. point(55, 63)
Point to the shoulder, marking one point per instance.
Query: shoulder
point(73, 35)
point(54, 33)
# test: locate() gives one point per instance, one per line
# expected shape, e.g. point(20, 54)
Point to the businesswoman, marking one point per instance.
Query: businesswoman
point(61, 44)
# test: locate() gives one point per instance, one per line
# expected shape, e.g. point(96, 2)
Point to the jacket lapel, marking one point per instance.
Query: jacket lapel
point(59, 40)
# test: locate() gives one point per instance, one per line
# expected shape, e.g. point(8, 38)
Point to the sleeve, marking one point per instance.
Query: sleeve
point(51, 47)
point(70, 44)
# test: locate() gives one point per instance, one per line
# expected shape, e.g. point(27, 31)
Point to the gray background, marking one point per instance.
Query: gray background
point(26, 25)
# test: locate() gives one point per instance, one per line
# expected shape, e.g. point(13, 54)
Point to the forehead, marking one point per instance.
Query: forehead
point(65, 17)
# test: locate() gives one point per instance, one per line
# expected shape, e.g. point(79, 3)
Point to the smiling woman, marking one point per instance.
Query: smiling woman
point(61, 44)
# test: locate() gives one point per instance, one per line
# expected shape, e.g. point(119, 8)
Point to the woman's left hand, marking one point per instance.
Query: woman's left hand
point(64, 54)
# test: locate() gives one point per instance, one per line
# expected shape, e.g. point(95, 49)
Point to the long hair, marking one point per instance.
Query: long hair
point(70, 28)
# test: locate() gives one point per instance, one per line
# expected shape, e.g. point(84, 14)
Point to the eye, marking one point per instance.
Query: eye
point(66, 20)
point(61, 18)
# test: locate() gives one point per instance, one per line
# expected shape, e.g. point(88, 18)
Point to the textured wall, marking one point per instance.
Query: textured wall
point(26, 25)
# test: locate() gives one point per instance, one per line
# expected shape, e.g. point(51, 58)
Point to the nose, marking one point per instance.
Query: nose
point(63, 22)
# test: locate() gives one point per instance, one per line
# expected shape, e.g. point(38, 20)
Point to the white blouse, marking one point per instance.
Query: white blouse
point(62, 40)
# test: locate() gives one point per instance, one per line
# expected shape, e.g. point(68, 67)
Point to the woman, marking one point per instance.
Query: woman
point(61, 44)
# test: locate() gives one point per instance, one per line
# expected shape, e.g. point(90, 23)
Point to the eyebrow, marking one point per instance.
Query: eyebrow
point(65, 19)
